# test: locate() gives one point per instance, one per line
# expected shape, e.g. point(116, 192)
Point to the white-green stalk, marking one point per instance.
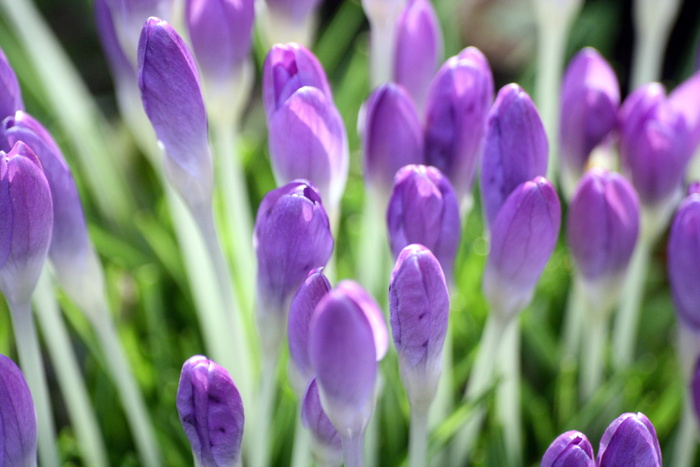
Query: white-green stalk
point(353, 450)
point(260, 454)
point(508, 392)
point(687, 439)
point(418, 436)
point(302, 442)
point(279, 28)
point(382, 16)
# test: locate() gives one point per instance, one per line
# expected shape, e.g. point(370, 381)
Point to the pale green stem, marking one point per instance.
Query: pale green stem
point(33, 368)
point(418, 438)
point(382, 44)
point(573, 320)
point(687, 438)
point(371, 267)
point(70, 379)
point(260, 456)
point(508, 392)
point(593, 356)
point(353, 450)
point(302, 440)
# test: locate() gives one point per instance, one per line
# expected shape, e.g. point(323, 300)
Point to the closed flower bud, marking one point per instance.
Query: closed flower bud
point(629, 436)
point(211, 413)
point(570, 449)
point(423, 209)
point(10, 93)
point(457, 105)
point(515, 148)
point(18, 431)
point(25, 232)
point(327, 445)
point(523, 236)
point(123, 70)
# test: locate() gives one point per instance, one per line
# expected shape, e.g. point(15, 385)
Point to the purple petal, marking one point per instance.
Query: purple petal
point(570, 449)
point(129, 16)
point(315, 420)
point(368, 305)
point(630, 440)
point(18, 431)
point(122, 69)
point(686, 100)
point(10, 93)
point(695, 391)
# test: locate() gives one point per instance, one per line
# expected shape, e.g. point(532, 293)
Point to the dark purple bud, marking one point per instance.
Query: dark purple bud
point(458, 102)
point(310, 293)
point(523, 236)
point(295, 10)
point(129, 16)
point(18, 432)
point(695, 390)
point(630, 438)
point(654, 144)
point(686, 100)
point(590, 97)
point(10, 93)
point(25, 232)
point(515, 148)
point(316, 421)
point(392, 136)
point(211, 412)
point(602, 225)
point(287, 68)
point(221, 33)
point(307, 140)
point(173, 101)
point(570, 449)
point(418, 48)
point(423, 209)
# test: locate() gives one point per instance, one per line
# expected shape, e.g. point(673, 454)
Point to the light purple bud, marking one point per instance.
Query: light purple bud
point(221, 33)
point(523, 236)
point(686, 100)
point(684, 261)
point(515, 148)
point(392, 135)
point(18, 432)
point(423, 209)
point(418, 48)
point(570, 449)
point(695, 390)
point(310, 293)
point(654, 144)
point(590, 97)
point(129, 16)
point(287, 68)
point(316, 421)
point(122, 69)
point(458, 103)
point(25, 232)
point(296, 10)
point(211, 412)
point(602, 225)
point(630, 438)
point(10, 93)
point(173, 101)
point(307, 140)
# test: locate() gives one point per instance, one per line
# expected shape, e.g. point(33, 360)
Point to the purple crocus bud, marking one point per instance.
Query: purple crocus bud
point(570, 449)
point(10, 93)
point(419, 306)
point(418, 48)
point(590, 97)
point(287, 68)
point(458, 102)
point(629, 436)
point(327, 445)
point(695, 390)
point(211, 413)
point(654, 144)
point(172, 98)
point(307, 139)
point(523, 236)
point(686, 100)
point(392, 136)
point(25, 232)
point(308, 296)
point(423, 209)
point(515, 148)
point(18, 432)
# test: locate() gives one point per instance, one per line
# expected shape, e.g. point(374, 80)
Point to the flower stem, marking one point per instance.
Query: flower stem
point(263, 437)
point(382, 45)
point(302, 441)
point(686, 439)
point(508, 392)
point(418, 438)
point(594, 354)
point(353, 450)
point(573, 320)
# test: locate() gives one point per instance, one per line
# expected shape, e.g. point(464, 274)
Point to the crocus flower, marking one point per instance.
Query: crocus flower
point(419, 306)
point(392, 136)
point(523, 236)
point(327, 445)
point(122, 68)
point(18, 432)
point(570, 449)
point(686, 100)
point(172, 98)
point(515, 148)
point(418, 48)
point(457, 105)
point(10, 93)
point(629, 437)
point(695, 390)
point(423, 209)
point(25, 232)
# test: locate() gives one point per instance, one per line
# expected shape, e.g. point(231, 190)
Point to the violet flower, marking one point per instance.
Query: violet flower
point(211, 413)
point(629, 437)
point(523, 236)
point(686, 100)
point(327, 445)
point(18, 427)
point(457, 105)
point(515, 148)
point(570, 449)
point(10, 92)
point(423, 209)
point(695, 390)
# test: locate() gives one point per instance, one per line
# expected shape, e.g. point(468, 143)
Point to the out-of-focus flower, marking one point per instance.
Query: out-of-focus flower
point(327, 445)
point(523, 236)
point(418, 48)
point(515, 148)
point(686, 100)
point(419, 306)
point(629, 436)
point(458, 102)
point(10, 93)
point(211, 413)
point(296, 10)
point(423, 209)
point(27, 218)
point(570, 449)
point(18, 431)
point(695, 390)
